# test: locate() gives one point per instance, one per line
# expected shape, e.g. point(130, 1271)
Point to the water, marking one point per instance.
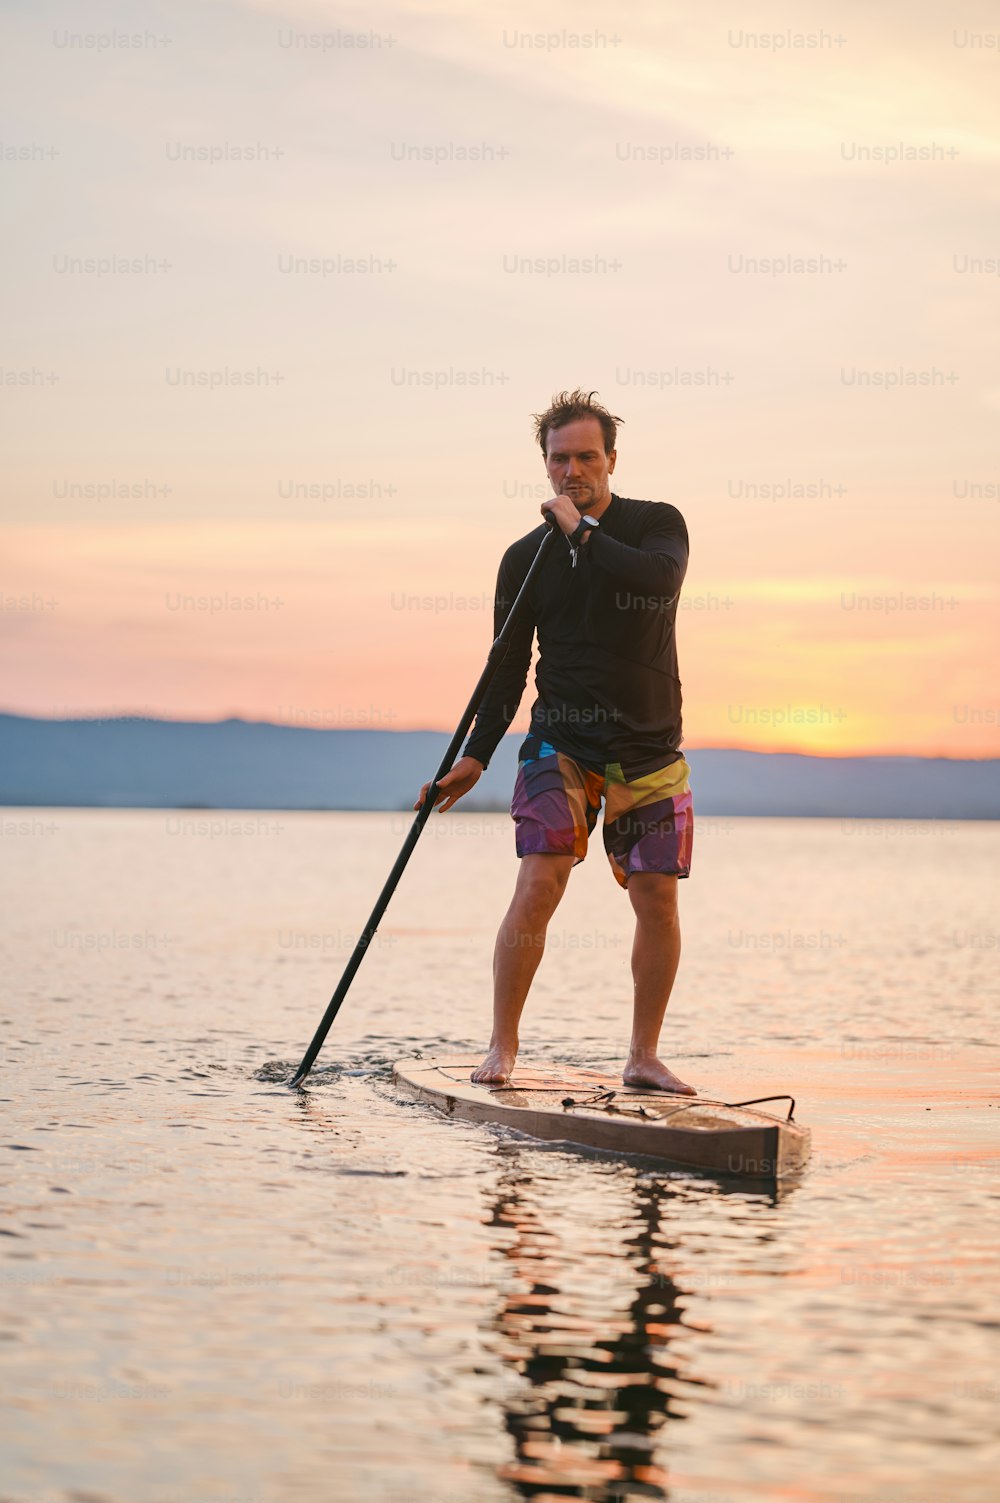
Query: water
point(220, 1291)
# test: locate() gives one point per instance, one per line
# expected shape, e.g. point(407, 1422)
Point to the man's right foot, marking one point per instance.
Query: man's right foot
point(496, 1067)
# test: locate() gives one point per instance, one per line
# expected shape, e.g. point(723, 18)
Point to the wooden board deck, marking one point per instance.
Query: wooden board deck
point(687, 1131)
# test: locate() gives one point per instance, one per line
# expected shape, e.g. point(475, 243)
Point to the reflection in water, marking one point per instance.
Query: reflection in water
point(595, 1264)
point(595, 1332)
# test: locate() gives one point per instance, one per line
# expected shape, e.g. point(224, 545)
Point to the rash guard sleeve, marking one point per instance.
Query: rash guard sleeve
point(657, 566)
point(504, 695)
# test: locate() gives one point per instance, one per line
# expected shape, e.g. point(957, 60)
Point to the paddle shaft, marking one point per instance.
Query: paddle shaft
point(496, 655)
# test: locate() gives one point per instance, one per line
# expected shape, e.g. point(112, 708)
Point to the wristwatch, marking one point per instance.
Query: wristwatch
point(585, 525)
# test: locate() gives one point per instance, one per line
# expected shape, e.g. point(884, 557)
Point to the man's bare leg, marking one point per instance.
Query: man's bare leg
point(541, 882)
point(656, 953)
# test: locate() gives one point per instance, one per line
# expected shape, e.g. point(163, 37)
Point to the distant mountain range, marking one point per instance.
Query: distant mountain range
point(239, 764)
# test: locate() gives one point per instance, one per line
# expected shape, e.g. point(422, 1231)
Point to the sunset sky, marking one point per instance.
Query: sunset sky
point(539, 198)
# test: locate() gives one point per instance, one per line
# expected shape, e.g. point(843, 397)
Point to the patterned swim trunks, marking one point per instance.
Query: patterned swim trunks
point(648, 822)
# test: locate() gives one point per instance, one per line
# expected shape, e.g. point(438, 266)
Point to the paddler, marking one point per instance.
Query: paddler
point(605, 727)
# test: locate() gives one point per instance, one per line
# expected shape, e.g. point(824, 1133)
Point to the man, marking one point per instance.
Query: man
point(606, 724)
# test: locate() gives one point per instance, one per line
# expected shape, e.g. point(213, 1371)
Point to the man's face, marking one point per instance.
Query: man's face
point(577, 464)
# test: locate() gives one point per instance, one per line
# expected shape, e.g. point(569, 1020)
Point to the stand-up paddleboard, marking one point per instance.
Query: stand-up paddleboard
point(563, 1104)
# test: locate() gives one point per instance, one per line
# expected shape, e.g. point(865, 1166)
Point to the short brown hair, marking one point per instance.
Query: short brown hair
point(569, 407)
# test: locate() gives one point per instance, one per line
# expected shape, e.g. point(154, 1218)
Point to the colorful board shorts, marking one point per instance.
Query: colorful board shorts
point(648, 822)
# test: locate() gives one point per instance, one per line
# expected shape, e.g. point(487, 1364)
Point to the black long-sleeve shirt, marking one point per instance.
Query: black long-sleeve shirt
point(608, 689)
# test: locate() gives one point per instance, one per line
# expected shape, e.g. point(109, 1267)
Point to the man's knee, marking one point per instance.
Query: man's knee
point(654, 897)
point(542, 881)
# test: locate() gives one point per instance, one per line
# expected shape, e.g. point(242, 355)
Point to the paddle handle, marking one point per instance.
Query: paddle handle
point(496, 655)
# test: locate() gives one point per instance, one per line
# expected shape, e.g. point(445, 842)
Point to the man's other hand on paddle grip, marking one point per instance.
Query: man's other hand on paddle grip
point(464, 775)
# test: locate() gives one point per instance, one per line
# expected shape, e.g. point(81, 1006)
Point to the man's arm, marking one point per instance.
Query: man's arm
point(657, 566)
point(502, 698)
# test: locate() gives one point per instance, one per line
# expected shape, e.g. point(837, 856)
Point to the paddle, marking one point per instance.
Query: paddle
point(496, 654)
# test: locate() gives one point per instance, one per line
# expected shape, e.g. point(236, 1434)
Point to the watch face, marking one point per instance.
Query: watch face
point(591, 521)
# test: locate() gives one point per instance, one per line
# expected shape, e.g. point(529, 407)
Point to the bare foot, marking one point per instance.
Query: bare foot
point(652, 1072)
point(496, 1067)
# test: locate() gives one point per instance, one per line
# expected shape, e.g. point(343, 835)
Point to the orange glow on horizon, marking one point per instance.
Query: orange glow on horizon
point(319, 625)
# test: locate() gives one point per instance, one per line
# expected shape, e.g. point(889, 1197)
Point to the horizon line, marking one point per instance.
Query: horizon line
point(123, 715)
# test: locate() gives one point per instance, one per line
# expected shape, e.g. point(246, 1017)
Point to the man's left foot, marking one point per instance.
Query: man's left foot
point(654, 1074)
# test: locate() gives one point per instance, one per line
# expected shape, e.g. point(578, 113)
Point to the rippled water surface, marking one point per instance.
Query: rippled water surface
point(221, 1291)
